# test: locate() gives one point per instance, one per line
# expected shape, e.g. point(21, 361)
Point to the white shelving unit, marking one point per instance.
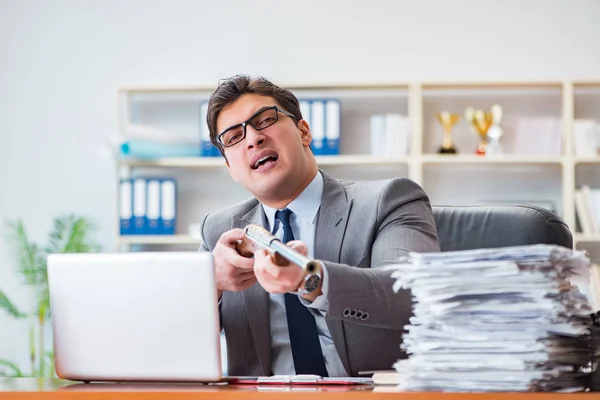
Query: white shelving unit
point(464, 178)
point(200, 162)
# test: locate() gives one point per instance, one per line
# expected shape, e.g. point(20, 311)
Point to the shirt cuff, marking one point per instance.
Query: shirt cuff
point(321, 303)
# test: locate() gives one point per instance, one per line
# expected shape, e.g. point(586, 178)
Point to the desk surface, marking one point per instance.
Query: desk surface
point(32, 388)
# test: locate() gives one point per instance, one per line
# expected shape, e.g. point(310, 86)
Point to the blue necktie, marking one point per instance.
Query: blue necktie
point(304, 338)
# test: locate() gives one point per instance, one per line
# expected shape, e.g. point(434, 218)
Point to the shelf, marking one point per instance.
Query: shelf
point(290, 86)
point(586, 238)
point(493, 85)
point(136, 90)
point(358, 160)
point(158, 239)
point(488, 89)
point(586, 84)
point(500, 159)
point(182, 162)
point(587, 160)
point(218, 162)
point(362, 94)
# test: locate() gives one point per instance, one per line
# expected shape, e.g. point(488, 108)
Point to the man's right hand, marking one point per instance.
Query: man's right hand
point(233, 272)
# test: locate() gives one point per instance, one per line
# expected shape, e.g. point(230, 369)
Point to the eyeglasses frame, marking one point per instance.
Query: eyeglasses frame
point(247, 122)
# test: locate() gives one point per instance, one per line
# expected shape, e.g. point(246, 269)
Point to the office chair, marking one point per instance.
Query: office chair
point(489, 226)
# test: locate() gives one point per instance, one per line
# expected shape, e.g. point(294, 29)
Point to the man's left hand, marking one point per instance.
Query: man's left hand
point(276, 279)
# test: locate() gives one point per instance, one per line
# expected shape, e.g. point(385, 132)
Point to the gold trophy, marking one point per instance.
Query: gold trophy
point(481, 122)
point(448, 121)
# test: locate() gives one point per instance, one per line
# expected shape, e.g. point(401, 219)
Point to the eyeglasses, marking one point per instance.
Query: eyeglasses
point(259, 121)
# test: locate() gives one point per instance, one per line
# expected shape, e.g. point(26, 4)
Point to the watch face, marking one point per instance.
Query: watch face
point(312, 283)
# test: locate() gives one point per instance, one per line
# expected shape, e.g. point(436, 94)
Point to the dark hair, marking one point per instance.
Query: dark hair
point(231, 89)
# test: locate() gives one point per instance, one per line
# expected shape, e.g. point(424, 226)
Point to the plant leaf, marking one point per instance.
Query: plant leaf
point(56, 240)
point(31, 260)
point(9, 307)
point(13, 369)
point(44, 302)
point(71, 234)
point(32, 350)
point(50, 371)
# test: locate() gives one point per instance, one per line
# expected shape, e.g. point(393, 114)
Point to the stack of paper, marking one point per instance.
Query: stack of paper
point(506, 319)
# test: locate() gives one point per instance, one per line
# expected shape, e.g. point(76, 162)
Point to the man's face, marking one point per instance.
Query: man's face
point(272, 162)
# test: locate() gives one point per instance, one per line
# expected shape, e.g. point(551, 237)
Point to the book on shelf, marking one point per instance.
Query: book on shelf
point(538, 135)
point(586, 135)
point(389, 134)
point(587, 206)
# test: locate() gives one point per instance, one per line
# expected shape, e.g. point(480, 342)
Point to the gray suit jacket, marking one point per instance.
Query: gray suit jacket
point(360, 226)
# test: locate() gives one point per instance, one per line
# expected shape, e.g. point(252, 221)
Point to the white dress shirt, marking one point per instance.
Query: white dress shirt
point(304, 222)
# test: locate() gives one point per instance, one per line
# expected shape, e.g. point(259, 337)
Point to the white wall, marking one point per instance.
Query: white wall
point(61, 62)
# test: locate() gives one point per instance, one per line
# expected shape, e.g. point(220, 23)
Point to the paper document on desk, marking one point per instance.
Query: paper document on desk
point(505, 319)
point(304, 379)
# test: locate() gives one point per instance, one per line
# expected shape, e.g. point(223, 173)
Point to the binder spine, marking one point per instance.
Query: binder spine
point(153, 206)
point(168, 206)
point(125, 207)
point(317, 117)
point(139, 206)
point(332, 127)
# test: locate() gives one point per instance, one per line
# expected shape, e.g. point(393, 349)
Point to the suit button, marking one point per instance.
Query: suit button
point(359, 314)
point(353, 313)
point(364, 316)
point(346, 312)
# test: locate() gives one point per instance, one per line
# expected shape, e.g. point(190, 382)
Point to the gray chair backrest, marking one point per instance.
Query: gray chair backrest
point(473, 227)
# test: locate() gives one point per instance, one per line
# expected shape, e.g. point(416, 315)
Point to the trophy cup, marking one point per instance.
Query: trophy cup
point(495, 132)
point(481, 122)
point(448, 121)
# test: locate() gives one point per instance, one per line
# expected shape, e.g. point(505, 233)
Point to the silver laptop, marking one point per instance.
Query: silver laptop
point(150, 316)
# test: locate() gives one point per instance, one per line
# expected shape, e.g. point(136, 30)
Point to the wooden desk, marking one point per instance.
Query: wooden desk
point(47, 389)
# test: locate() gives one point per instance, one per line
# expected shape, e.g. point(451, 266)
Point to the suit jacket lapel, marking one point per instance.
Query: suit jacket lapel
point(331, 227)
point(256, 300)
point(332, 220)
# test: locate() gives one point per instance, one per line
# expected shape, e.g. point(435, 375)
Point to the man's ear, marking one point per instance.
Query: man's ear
point(305, 134)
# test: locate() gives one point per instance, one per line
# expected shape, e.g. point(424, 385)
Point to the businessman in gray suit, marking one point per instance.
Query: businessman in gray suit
point(344, 317)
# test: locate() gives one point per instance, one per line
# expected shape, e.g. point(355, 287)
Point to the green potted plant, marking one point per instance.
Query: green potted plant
point(70, 234)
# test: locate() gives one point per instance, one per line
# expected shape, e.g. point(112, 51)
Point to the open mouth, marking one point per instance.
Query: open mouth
point(264, 161)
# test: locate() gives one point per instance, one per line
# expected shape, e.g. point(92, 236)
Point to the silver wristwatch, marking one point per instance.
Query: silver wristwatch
point(310, 282)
